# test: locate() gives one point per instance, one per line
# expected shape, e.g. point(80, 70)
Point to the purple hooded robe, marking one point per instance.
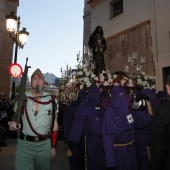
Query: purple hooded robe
point(105, 101)
point(143, 131)
point(118, 133)
point(89, 121)
point(77, 159)
point(69, 114)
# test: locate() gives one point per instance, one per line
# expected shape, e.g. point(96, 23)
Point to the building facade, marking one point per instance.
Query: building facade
point(49, 78)
point(6, 44)
point(140, 26)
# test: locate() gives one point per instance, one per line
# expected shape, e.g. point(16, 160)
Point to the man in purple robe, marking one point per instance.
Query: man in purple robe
point(118, 133)
point(76, 156)
point(89, 122)
point(143, 118)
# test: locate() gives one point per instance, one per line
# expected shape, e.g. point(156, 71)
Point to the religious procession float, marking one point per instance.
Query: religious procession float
point(84, 77)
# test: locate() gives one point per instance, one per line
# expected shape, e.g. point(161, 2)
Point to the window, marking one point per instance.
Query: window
point(116, 8)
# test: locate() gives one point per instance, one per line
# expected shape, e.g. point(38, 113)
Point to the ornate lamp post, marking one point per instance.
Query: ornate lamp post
point(18, 37)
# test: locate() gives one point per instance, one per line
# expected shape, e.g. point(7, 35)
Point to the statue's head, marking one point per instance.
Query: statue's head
point(99, 30)
point(37, 81)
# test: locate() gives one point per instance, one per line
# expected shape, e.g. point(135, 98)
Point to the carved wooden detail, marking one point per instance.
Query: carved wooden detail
point(135, 39)
point(93, 3)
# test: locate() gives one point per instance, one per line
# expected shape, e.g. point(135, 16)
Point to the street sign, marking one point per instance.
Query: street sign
point(15, 70)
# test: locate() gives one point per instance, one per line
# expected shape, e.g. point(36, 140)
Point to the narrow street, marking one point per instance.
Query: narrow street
point(7, 156)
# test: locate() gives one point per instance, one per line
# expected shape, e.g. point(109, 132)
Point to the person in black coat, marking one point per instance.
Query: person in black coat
point(160, 145)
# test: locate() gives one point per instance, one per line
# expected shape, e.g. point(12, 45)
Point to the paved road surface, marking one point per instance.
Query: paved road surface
point(7, 156)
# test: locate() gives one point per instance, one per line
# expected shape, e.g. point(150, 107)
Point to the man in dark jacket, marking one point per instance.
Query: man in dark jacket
point(160, 145)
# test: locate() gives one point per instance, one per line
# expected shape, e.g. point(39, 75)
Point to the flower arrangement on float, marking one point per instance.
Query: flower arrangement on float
point(85, 77)
point(145, 80)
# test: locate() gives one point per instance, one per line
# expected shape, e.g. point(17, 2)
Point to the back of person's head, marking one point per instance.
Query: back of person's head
point(168, 80)
point(168, 87)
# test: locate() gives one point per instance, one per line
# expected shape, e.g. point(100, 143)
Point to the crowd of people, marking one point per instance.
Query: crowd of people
point(6, 114)
point(104, 130)
point(107, 132)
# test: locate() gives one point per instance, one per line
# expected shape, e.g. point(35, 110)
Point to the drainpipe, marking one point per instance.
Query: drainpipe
point(156, 44)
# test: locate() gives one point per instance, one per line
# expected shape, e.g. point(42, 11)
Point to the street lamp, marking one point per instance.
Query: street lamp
point(18, 37)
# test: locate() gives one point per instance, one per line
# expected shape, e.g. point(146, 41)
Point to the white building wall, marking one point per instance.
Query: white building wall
point(162, 34)
point(135, 12)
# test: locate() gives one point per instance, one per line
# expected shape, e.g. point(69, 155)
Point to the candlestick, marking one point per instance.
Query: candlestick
point(78, 57)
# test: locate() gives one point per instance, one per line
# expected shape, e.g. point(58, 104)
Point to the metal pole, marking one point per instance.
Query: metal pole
point(15, 61)
point(16, 51)
point(15, 56)
point(13, 90)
